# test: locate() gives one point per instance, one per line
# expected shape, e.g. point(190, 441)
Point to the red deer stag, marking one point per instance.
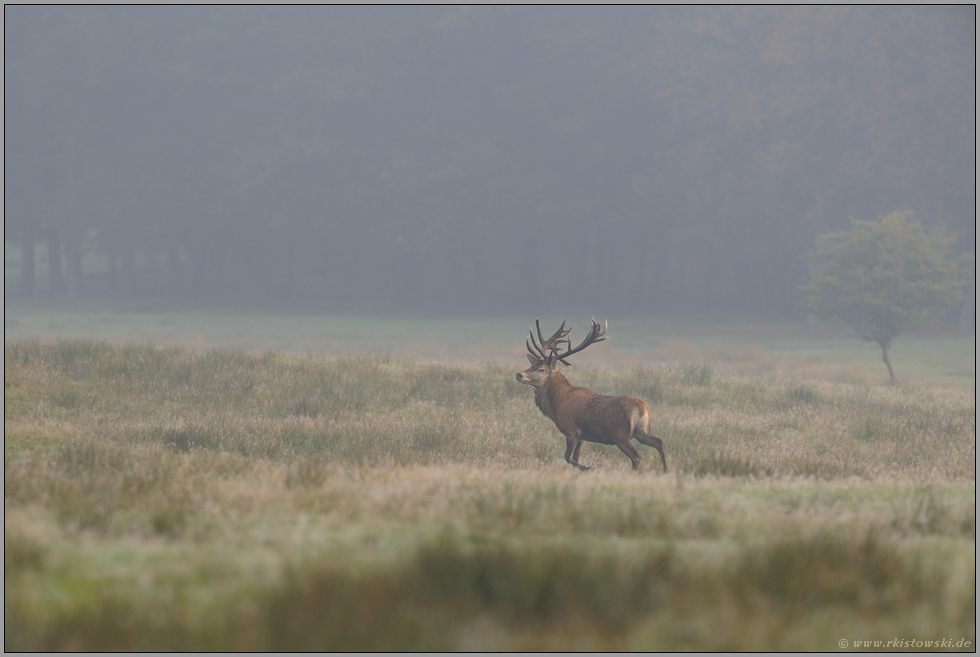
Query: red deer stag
point(580, 414)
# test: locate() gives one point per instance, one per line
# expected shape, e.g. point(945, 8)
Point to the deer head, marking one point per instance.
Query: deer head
point(544, 355)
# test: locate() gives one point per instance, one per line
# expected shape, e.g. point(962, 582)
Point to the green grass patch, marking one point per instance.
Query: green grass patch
point(703, 345)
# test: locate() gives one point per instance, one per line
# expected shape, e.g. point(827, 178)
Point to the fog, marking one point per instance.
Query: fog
point(473, 160)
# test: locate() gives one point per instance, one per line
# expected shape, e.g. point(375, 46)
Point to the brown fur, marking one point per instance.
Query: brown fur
point(586, 416)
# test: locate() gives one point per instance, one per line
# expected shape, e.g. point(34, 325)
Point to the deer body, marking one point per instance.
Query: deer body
point(581, 414)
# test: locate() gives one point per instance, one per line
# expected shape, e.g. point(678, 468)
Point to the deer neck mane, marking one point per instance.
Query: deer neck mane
point(546, 397)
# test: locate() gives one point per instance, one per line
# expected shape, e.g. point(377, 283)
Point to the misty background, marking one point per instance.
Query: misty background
point(474, 160)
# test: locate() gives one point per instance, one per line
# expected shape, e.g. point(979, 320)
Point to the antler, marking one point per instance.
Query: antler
point(541, 350)
point(596, 334)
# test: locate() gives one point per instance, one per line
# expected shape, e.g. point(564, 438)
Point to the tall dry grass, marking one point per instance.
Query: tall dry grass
point(160, 499)
point(383, 411)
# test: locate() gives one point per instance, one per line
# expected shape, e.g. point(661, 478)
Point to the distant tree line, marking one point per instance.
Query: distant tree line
point(595, 158)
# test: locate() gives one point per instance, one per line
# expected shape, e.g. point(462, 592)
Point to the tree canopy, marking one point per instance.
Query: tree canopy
point(508, 158)
point(884, 277)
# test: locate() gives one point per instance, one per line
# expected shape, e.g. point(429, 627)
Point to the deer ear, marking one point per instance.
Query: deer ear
point(552, 360)
point(532, 359)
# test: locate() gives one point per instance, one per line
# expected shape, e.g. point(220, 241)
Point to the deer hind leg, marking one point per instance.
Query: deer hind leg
point(627, 448)
point(572, 447)
point(652, 441)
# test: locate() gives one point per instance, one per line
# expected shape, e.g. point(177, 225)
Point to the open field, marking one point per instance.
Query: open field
point(942, 356)
point(208, 499)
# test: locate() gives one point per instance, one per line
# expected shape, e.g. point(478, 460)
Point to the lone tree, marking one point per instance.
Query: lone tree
point(884, 277)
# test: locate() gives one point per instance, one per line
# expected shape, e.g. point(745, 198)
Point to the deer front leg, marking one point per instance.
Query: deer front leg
point(572, 447)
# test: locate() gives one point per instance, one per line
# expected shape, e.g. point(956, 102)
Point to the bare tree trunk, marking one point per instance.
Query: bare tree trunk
point(884, 357)
point(55, 272)
point(27, 261)
point(73, 254)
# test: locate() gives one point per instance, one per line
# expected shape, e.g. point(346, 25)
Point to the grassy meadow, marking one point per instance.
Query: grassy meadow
point(206, 498)
point(939, 356)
